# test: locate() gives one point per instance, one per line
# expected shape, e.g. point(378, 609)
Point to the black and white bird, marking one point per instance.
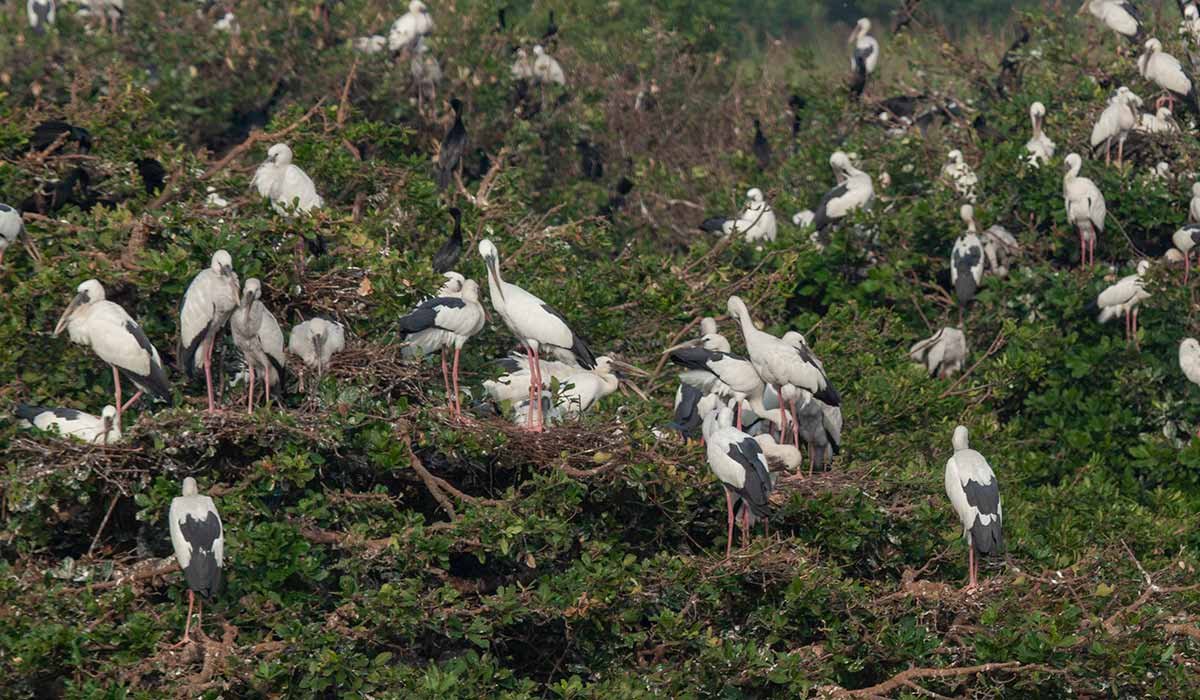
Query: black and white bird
point(853, 191)
point(1121, 16)
point(1186, 238)
point(522, 67)
point(756, 222)
point(714, 371)
point(1086, 209)
point(975, 495)
point(447, 255)
point(1122, 299)
point(943, 353)
point(258, 336)
point(453, 146)
point(864, 56)
point(289, 188)
point(966, 260)
point(1189, 362)
point(410, 27)
point(1115, 123)
point(536, 325)
point(1161, 122)
point(1165, 71)
point(762, 147)
point(959, 175)
point(1189, 26)
point(578, 392)
point(1039, 146)
point(103, 429)
point(820, 427)
point(737, 460)
point(11, 228)
point(546, 68)
point(442, 323)
point(785, 365)
point(199, 542)
point(93, 321)
point(41, 14)
point(688, 417)
point(999, 249)
point(316, 341)
point(207, 305)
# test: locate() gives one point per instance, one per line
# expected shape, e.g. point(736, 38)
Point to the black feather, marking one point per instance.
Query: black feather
point(821, 218)
point(756, 488)
point(715, 224)
point(688, 420)
point(203, 573)
point(155, 383)
point(762, 147)
point(447, 256)
point(579, 348)
point(453, 147)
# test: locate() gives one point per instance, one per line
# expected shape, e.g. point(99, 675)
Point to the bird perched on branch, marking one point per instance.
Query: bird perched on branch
point(1123, 298)
point(41, 14)
point(966, 260)
point(756, 222)
point(1165, 71)
point(975, 495)
point(863, 57)
point(316, 341)
point(442, 323)
point(410, 27)
point(289, 188)
point(943, 353)
point(1115, 122)
point(1086, 210)
point(453, 146)
point(1121, 16)
point(1039, 146)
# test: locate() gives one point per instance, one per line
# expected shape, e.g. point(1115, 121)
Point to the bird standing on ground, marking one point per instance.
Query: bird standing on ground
point(975, 495)
point(453, 146)
point(104, 429)
point(316, 341)
point(756, 222)
point(409, 27)
point(737, 460)
point(1086, 210)
point(93, 321)
point(207, 305)
point(257, 335)
point(863, 57)
point(447, 256)
point(1123, 298)
point(442, 323)
point(943, 353)
point(199, 542)
point(289, 188)
point(536, 324)
point(1165, 71)
point(966, 260)
point(1039, 146)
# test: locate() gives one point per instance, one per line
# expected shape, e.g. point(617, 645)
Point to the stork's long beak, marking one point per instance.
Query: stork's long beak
point(853, 35)
point(694, 342)
point(107, 427)
point(319, 344)
point(626, 368)
point(494, 270)
point(66, 315)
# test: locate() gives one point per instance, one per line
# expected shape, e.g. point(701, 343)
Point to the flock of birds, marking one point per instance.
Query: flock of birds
point(752, 411)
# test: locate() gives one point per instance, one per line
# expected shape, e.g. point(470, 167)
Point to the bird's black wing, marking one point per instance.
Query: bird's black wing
point(989, 538)
point(425, 315)
point(714, 224)
point(687, 417)
point(203, 573)
point(154, 383)
point(695, 358)
point(579, 348)
point(821, 218)
point(757, 485)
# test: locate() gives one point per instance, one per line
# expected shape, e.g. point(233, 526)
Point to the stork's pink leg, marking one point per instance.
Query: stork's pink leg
point(782, 417)
point(187, 626)
point(250, 392)
point(1082, 249)
point(117, 384)
point(532, 377)
point(739, 415)
point(132, 400)
point(267, 388)
point(457, 403)
point(971, 579)
point(795, 425)
point(729, 538)
point(208, 373)
point(446, 380)
point(541, 414)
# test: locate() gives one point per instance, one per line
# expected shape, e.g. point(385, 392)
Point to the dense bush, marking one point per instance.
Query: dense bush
point(376, 548)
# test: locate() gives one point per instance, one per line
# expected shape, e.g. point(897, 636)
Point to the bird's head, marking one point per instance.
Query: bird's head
point(1190, 345)
point(967, 212)
point(456, 105)
point(189, 487)
point(417, 6)
point(538, 50)
point(755, 195)
point(452, 285)
point(456, 214)
point(222, 264)
point(861, 28)
point(1191, 13)
point(491, 258)
point(961, 438)
point(87, 292)
point(1073, 163)
point(795, 339)
point(108, 417)
point(251, 292)
point(955, 155)
point(1153, 45)
point(280, 154)
point(1143, 267)
point(470, 290)
point(737, 308)
point(1037, 110)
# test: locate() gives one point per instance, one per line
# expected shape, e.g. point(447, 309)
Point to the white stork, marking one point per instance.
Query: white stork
point(289, 188)
point(578, 391)
point(1189, 26)
point(11, 228)
point(535, 323)
point(715, 371)
point(1161, 122)
point(93, 321)
point(1086, 210)
point(1122, 299)
point(1118, 15)
point(820, 426)
point(207, 304)
point(199, 543)
point(1165, 71)
point(960, 176)
point(442, 323)
point(864, 56)
point(410, 27)
point(1039, 146)
point(258, 336)
point(943, 353)
point(104, 429)
point(966, 260)
point(999, 246)
point(853, 191)
point(316, 341)
point(756, 222)
point(782, 364)
point(1115, 122)
point(1186, 239)
point(40, 13)
point(975, 495)
point(546, 69)
point(522, 67)
point(737, 460)
point(1189, 361)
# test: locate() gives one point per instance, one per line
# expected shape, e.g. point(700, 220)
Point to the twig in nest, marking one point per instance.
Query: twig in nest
point(344, 103)
point(100, 530)
point(429, 480)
